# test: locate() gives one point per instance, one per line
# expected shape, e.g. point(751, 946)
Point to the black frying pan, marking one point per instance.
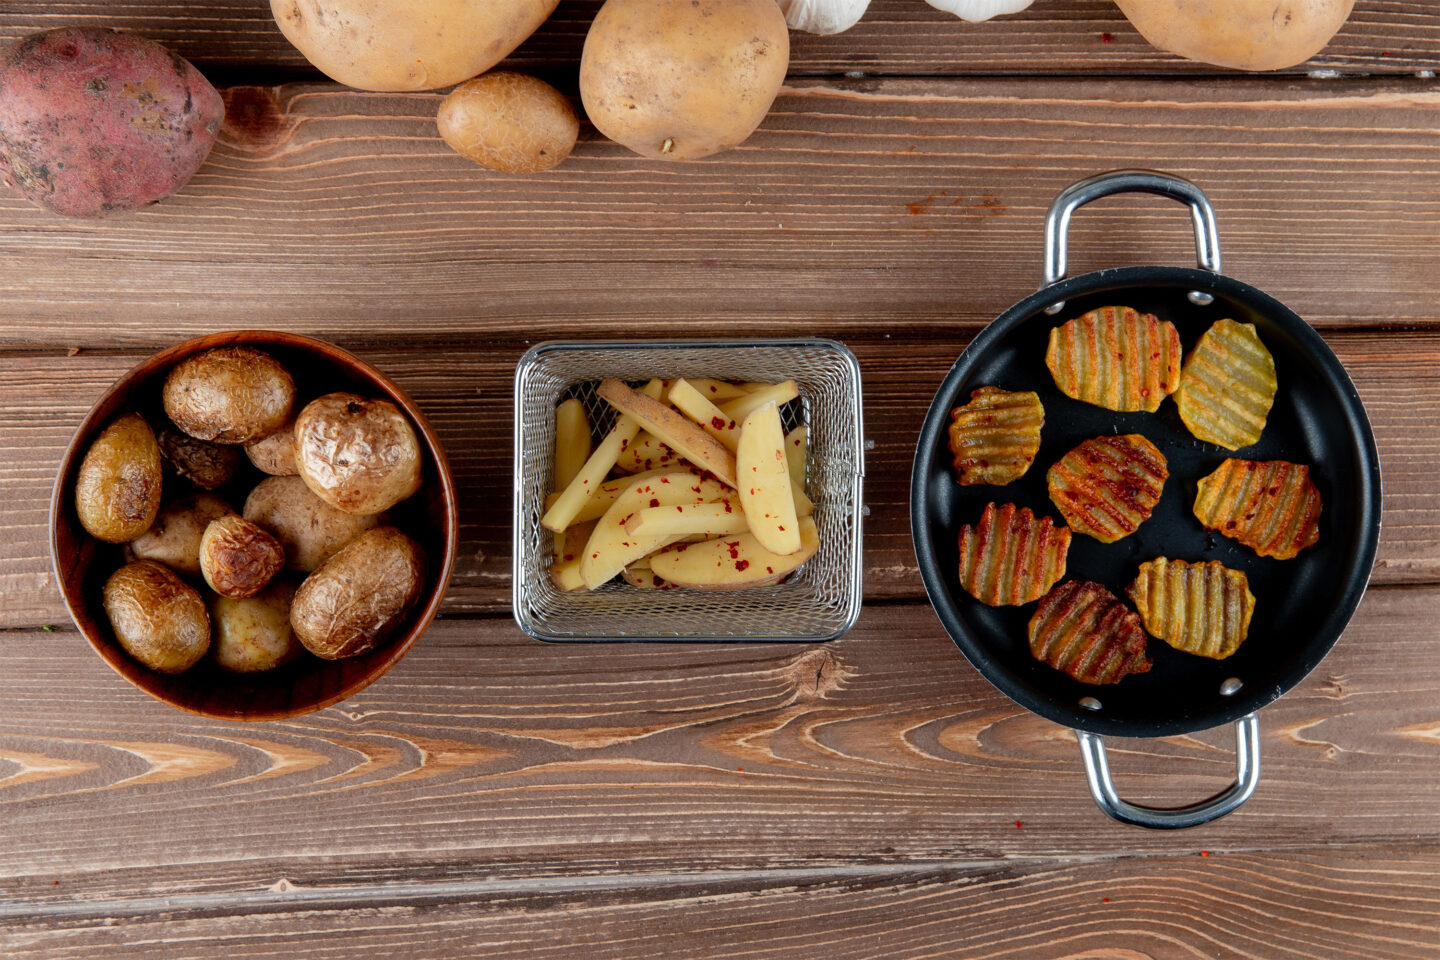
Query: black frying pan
point(1302, 605)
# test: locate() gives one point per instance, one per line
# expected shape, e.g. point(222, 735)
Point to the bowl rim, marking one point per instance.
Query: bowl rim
point(113, 655)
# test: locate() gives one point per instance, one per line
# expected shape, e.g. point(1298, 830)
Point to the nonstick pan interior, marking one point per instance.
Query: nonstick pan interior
point(1302, 605)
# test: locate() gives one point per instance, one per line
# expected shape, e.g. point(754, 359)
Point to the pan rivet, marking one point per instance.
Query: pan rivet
point(1231, 687)
point(1055, 308)
point(1090, 703)
point(1200, 298)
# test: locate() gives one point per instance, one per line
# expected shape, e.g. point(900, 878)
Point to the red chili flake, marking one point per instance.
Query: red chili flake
point(654, 502)
point(696, 489)
point(1204, 853)
point(797, 441)
point(568, 557)
point(727, 506)
point(1107, 37)
point(714, 389)
point(664, 479)
point(1019, 824)
point(624, 444)
point(1104, 899)
point(718, 423)
point(769, 569)
point(732, 425)
point(679, 509)
point(782, 528)
point(741, 565)
point(682, 548)
point(594, 556)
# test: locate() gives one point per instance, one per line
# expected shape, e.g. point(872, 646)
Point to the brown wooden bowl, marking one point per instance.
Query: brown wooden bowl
point(308, 683)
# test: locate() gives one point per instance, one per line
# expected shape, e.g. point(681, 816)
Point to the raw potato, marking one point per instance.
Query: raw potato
point(238, 558)
point(765, 489)
point(797, 443)
point(158, 618)
point(356, 454)
point(174, 538)
point(572, 442)
point(698, 407)
point(776, 393)
point(573, 499)
point(117, 491)
point(229, 395)
point(275, 454)
point(95, 122)
point(671, 429)
point(509, 122)
point(716, 519)
point(611, 548)
point(404, 45)
point(361, 596)
point(595, 506)
point(646, 453)
point(207, 465)
point(729, 563)
point(682, 79)
point(1243, 34)
point(254, 634)
point(309, 529)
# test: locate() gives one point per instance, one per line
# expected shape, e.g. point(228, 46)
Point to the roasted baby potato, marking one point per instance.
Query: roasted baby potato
point(360, 597)
point(253, 634)
point(174, 538)
point(356, 454)
point(117, 490)
point(238, 558)
point(510, 122)
point(207, 465)
point(158, 618)
point(275, 454)
point(229, 395)
point(310, 530)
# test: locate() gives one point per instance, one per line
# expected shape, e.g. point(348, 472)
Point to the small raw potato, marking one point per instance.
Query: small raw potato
point(1243, 34)
point(358, 455)
point(682, 79)
point(207, 465)
point(405, 45)
point(360, 597)
point(509, 122)
point(729, 563)
point(671, 429)
point(95, 122)
point(229, 395)
point(275, 454)
point(174, 538)
point(117, 491)
point(309, 529)
point(158, 618)
point(765, 491)
point(238, 558)
point(253, 634)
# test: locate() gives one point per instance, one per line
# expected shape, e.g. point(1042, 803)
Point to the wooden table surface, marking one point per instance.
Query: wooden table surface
point(871, 798)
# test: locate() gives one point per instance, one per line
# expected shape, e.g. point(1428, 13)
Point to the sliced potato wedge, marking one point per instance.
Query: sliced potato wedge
point(646, 453)
point(729, 563)
point(566, 577)
point(766, 493)
point(611, 547)
point(671, 429)
point(572, 441)
point(644, 578)
point(715, 519)
point(796, 450)
point(717, 390)
point(592, 474)
point(695, 405)
point(778, 394)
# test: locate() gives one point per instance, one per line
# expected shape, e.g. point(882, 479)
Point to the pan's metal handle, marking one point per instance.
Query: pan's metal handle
point(1075, 196)
point(1247, 775)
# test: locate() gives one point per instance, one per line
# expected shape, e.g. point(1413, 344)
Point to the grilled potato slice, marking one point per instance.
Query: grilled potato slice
point(1010, 557)
point(995, 436)
point(1269, 505)
point(1199, 608)
point(1107, 486)
point(1116, 358)
point(1227, 386)
point(1084, 630)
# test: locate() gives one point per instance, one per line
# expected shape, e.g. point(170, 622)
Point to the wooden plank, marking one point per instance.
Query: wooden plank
point(237, 38)
point(467, 395)
point(485, 754)
point(911, 203)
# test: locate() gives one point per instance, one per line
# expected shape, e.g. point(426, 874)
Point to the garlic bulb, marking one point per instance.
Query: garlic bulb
point(823, 16)
point(978, 10)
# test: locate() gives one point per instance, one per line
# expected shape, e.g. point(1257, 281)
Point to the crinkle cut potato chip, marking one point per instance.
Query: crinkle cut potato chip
point(1269, 505)
point(995, 436)
point(1199, 608)
point(1010, 557)
point(1116, 358)
point(1107, 486)
point(1227, 386)
point(1084, 630)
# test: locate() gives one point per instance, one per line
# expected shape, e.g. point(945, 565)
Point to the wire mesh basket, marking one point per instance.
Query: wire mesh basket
point(820, 601)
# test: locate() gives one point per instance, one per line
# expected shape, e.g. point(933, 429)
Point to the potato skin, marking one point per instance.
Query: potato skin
point(698, 75)
point(95, 122)
point(275, 454)
point(174, 538)
point(403, 45)
point(253, 634)
point(310, 530)
point(1241, 34)
point(207, 465)
point(358, 455)
point(117, 491)
point(509, 122)
point(237, 558)
point(158, 618)
point(229, 395)
point(361, 596)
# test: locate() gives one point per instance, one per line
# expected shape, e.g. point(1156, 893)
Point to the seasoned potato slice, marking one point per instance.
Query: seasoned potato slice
point(1269, 505)
point(1227, 386)
point(1107, 486)
point(1116, 358)
point(572, 499)
point(776, 393)
point(611, 547)
point(646, 453)
point(797, 444)
point(572, 441)
point(1084, 630)
point(994, 437)
point(1200, 608)
point(671, 429)
point(715, 519)
point(765, 490)
point(695, 405)
point(1010, 557)
point(729, 563)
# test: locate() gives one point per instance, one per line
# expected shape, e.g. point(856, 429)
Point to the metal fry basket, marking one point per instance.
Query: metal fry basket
point(819, 602)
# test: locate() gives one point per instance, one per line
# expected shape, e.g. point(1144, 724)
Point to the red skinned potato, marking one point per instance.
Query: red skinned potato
point(95, 122)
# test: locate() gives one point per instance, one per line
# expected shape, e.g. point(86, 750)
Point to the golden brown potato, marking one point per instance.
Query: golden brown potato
point(254, 634)
point(157, 617)
point(174, 538)
point(680, 79)
point(117, 491)
point(237, 558)
point(358, 455)
point(229, 395)
point(207, 465)
point(1244, 34)
point(361, 597)
point(510, 122)
point(275, 454)
point(310, 530)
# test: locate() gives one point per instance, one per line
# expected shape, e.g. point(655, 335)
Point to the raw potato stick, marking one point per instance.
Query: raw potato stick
point(718, 519)
point(709, 417)
point(717, 391)
point(562, 514)
point(572, 441)
point(778, 394)
point(729, 563)
point(766, 492)
point(672, 429)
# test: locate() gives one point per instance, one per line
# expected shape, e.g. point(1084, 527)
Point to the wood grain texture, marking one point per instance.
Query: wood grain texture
point(916, 205)
point(238, 37)
point(43, 396)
